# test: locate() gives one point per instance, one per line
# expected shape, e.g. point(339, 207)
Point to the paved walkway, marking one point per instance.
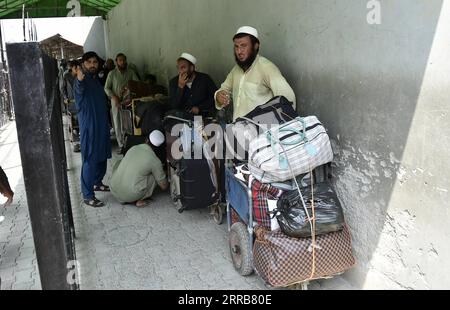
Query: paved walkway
point(18, 265)
point(121, 246)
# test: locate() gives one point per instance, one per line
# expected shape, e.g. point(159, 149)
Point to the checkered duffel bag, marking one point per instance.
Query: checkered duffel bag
point(282, 261)
point(288, 150)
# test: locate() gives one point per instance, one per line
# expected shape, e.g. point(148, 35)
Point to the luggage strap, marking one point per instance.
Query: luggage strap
point(311, 219)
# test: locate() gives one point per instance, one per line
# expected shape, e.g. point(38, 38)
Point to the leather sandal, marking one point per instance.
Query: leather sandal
point(94, 202)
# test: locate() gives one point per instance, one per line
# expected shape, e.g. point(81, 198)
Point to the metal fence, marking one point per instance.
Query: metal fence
point(35, 93)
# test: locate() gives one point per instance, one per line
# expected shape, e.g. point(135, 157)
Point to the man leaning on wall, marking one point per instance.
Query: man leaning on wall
point(254, 79)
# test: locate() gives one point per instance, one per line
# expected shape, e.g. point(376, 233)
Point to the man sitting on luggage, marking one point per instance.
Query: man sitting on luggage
point(135, 177)
point(191, 91)
point(254, 80)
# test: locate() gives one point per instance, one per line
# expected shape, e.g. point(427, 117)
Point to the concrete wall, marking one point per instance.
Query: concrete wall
point(95, 40)
point(382, 90)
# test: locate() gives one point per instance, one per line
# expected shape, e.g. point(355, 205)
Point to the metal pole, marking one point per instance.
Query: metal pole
point(23, 20)
point(1, 44)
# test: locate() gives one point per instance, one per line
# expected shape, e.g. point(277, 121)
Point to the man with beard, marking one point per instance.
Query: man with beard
point(90, 100)
point(254, 80)
point(191, 91)
point(115, 84)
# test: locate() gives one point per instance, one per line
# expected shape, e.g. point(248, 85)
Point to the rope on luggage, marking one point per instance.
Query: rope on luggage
point(311, 219)
point(313, 234)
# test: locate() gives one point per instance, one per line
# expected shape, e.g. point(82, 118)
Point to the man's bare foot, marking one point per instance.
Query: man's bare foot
point(142, 203)
point(10, 199)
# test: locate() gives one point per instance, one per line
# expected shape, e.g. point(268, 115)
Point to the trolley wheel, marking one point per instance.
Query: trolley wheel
point(217, 213)
point(240, 248)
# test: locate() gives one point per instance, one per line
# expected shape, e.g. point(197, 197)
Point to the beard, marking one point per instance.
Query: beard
point(190, 74)
point(123, 67)
point(92, 70)
point(248, 62)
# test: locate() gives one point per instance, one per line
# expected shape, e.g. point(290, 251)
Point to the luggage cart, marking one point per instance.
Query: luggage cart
point(190, 141)
point(239, 199)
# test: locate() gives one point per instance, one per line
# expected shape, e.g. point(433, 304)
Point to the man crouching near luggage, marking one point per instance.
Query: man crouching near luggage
point(135, 177)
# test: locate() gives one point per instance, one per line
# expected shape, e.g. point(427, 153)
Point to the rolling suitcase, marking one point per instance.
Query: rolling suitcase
point(194, 182)
point(198, 187)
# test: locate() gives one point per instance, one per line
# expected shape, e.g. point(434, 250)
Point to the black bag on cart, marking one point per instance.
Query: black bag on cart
point(292, 217)
point(276, 111)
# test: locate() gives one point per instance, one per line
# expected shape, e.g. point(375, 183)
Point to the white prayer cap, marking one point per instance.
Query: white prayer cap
point(156, 138)
point(189, 58)
point(248, 30)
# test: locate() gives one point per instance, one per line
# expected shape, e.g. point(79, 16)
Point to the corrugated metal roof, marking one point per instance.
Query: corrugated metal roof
point(56, 45)
point(53, 8)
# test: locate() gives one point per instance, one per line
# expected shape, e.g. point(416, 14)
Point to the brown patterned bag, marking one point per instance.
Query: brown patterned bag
point(282, 261)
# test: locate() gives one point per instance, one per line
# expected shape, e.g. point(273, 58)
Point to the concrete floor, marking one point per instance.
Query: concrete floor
point(121, 246)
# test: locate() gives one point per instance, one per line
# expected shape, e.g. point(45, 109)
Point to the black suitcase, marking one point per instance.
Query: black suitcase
point(196, 183)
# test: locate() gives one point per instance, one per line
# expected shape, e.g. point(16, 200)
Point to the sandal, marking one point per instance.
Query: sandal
point(94, 202)
point(101, 188)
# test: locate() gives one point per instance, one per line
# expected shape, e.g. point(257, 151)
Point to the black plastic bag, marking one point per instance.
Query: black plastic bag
point(293, 219)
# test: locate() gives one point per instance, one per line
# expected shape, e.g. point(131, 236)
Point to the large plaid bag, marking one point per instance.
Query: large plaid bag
point(261, 194)
point(282, 261)
point(288, 150)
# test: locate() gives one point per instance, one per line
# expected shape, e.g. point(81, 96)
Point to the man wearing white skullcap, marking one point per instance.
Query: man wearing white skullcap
point(135, 177)
point(191, 91)
point(254, 80)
